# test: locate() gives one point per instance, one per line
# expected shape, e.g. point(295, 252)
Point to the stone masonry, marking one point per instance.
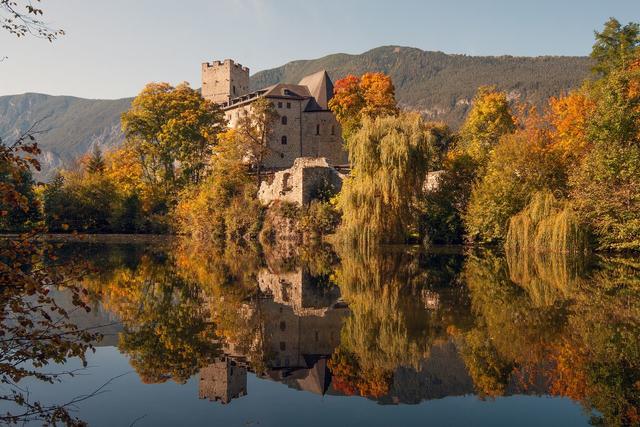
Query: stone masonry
point(304, 181)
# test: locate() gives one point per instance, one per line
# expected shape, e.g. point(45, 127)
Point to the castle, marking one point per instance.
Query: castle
point(305, 128)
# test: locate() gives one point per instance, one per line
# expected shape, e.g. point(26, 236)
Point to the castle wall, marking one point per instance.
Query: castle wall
point(222, 81)
point(322, 137)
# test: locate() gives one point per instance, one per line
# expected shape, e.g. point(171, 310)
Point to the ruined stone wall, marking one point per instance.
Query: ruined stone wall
point(301, 182)
point(222, 81)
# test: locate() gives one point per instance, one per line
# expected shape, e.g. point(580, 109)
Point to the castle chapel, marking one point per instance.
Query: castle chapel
point(306, 127)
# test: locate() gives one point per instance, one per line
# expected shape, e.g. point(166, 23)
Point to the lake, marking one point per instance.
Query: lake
point(320, 336)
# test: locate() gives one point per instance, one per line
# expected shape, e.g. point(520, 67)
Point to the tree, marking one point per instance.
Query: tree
point(173, 131)
point(521, 164)
point(615, 47)
point(95, 164)
point(390, 157)
point(223, 207)
point(22, 212)
point(21, 18)
point(605, 187)
point(444, 206)
point(255, 130)
point(355, 98)
point(569, 115)
point(489, 119)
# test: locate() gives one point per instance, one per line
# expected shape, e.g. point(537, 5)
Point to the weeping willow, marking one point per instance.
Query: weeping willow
point(546, 225)
point(389, 158)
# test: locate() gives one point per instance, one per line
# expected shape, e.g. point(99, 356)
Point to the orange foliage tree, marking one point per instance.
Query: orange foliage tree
point(372, 95)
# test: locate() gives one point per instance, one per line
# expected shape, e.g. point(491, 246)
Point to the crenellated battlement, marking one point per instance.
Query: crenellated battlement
point(224, 80)
point(227, 62)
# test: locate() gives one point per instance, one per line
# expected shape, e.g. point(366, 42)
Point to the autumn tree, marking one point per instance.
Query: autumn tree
point(372, 95)
point(519, 165)
point(255, 130)
point(569, 116)
point(605, 186)
point(172, 130)
point(489, 119)
point(616, 46)
point(222, 208)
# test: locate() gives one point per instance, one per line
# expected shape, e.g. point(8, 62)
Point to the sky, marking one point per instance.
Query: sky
point(112, 48)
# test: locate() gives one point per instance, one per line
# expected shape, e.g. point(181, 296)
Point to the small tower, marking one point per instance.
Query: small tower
point(222, 381)
point(222, 81)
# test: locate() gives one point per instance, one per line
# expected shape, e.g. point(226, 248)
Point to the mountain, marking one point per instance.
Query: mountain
point(440, 86)
point(69, 126)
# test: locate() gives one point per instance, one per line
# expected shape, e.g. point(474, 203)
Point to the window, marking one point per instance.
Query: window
point(234, 89)
point(283, 346)
point(280, 104)
point(283, 326)
point(317, 129)
point(317, 336)
point(288, 105)
point(283, 140)
point(284, 120)
point(333, 130)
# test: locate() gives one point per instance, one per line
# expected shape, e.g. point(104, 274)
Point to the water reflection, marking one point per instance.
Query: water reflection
point(395, 326)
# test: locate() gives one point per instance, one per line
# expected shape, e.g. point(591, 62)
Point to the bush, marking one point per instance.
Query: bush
point(319, 219)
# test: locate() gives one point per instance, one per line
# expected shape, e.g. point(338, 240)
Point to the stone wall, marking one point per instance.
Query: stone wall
point(302, 182)
point(222, 381)
point(322, 137)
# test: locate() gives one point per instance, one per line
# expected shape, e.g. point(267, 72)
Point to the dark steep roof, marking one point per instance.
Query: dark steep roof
point(320, 86)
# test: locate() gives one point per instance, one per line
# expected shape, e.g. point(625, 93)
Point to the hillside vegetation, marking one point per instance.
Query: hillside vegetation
point(438, 85)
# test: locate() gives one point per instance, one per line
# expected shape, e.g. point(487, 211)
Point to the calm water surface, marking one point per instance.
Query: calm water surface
point(311, 337)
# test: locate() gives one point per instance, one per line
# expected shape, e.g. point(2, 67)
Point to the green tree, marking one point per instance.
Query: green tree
point(390, 157)
point(22, 211)
point(96, 164)
point(444, 205)
point(616, 46)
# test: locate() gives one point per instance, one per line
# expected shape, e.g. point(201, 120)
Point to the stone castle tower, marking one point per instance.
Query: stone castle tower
point(224, 80)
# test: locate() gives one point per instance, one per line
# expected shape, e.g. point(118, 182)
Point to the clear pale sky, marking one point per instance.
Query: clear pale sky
point(113, 47)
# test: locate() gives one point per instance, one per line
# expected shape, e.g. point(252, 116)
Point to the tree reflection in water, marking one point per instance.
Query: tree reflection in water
point(397, 326)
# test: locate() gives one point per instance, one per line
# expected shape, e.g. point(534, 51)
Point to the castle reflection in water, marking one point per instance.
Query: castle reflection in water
point(300, 323)
point(399, 327)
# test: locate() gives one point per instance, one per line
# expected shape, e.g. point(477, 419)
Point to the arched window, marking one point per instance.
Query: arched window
point(284, 120)
point(283, 140)
point(317, 129)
